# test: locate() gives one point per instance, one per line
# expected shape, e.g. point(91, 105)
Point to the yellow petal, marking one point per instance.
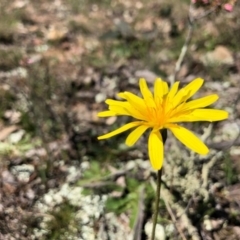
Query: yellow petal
point(160, 88)
point(135, 101)
point(201, 102)
point(179, 97)
point(136, 114)
point(189, 139)
point(119, 110)
point(165, 88)
point(124, 108)
point(155, 150)
point(116, 103)
point(128, 110)
point(193, 87)
point(122, 95)
point(146, 93)
point(173, 90)
point(106, 114)
point(210, 115)
point(120, 130)
point(181, 118)
point(169, 100)
point(135, 135)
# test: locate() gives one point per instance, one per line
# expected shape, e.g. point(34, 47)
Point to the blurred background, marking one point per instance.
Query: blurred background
point(59, 61)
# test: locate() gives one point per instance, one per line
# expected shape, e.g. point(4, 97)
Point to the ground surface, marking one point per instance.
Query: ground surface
point(59, 61)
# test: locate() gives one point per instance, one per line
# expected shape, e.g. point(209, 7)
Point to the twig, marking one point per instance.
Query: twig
point(191, 22)
point(105, 180)
point(167, 198)
point(225, 145)
point(174, 220)
point(206, 168)
point(140, 217)
point(207, 132)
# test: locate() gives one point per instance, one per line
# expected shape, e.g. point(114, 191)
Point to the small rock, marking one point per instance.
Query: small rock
point(147, 74)
point(145, 25)
point(111, 120)
point(220, 56)
point(100, 97)
point(13, 116)
point(170, 228)
point(236, 229)
point(30, 194)
point(213, 224)
point(56, 33)
point(159, 233)
point(48, 199)
point(229, 132)
point(23, 172)
point(17, 136)
point(7, 176)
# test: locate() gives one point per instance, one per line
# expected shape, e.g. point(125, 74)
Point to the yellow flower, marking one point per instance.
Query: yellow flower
point(163, 109)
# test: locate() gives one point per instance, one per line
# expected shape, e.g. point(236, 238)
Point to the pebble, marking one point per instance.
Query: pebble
point(159, 233)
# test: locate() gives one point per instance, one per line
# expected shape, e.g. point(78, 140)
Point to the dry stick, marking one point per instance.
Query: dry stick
point(159, 176)
point(140, 216)
point(182, 54)
point(185, 46)
point(184, 220)
point(174, 220)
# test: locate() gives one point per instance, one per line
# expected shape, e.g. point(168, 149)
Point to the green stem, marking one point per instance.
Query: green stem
point(159, 176)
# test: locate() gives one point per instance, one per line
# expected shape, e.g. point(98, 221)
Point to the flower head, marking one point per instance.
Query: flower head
point(163, 109)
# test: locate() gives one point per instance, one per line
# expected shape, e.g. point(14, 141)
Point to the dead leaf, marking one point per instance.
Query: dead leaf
point(4, 133)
